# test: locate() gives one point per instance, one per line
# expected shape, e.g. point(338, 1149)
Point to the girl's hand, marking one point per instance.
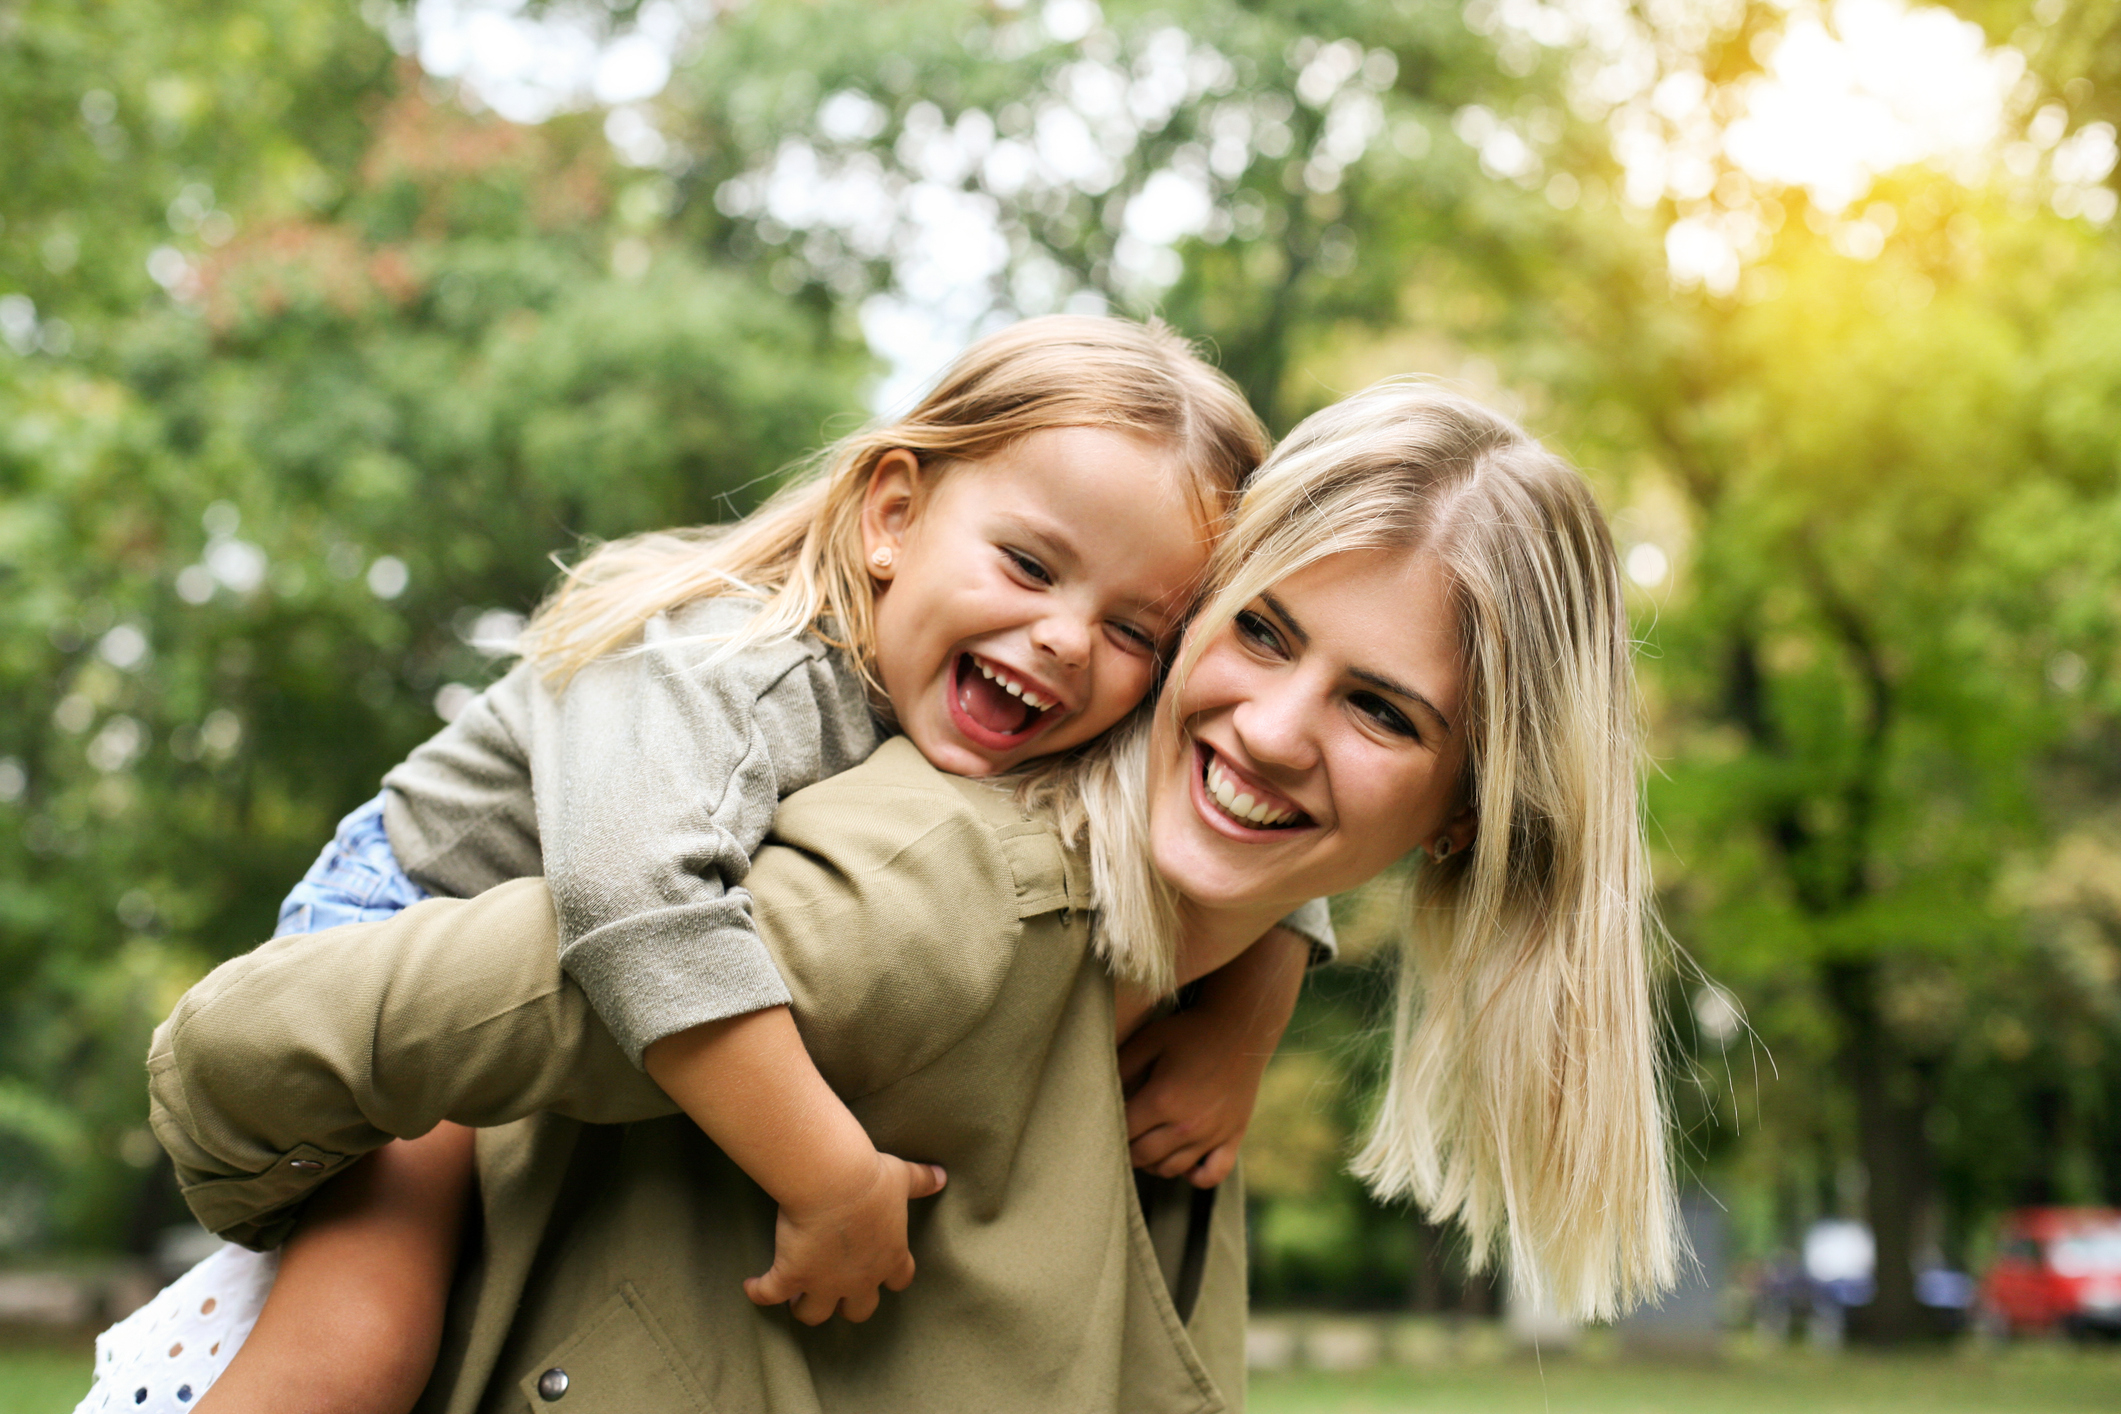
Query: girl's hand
point(1193, 1077)
point(832, 1254)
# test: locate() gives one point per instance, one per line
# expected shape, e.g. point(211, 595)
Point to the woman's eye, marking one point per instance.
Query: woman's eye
point(1027, 567)
point(1384, 714)
point(1255, 629)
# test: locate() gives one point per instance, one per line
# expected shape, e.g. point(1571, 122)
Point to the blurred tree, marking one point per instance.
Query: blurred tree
point(1232, 165)
point(307, 370)
point(251, 521)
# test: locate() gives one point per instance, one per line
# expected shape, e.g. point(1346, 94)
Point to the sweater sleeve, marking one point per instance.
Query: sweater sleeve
point(656, 779)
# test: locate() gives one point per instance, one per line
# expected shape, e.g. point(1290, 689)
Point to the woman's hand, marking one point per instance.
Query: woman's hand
point(831, 1254)
point(1193, 1077)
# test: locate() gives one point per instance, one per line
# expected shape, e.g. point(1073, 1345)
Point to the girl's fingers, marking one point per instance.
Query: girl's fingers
point(812, 1310)
point(1144, 1114)
point(1217, 1166)
point(924, 1180)
point(1153, 1147)
point(861, 1306)
point(903, 1277)
point(1180, 1162)
point(769, 1290)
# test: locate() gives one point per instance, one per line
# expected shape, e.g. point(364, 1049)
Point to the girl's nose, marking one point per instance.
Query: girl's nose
point(1065, 636)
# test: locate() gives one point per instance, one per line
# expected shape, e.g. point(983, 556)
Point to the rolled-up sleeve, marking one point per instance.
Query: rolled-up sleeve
point(286, 1064)
point(657, 779)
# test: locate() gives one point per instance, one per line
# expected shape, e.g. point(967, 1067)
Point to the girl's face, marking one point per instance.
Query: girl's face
point(1028, 594)
point(1319, 738)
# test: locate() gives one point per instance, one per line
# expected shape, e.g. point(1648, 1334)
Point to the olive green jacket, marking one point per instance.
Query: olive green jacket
point(935, 942)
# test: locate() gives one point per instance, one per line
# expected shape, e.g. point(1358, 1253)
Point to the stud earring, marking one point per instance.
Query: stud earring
point(882, 558)
point(1441, 850)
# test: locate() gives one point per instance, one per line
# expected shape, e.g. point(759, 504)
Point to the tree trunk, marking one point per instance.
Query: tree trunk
point(1892, 1145)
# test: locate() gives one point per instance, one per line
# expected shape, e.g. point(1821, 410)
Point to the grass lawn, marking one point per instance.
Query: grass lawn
point(35, 1380)
point(2025, 1381)
point(39, 1379)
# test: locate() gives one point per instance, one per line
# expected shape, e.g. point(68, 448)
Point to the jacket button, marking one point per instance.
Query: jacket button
point(552, 1384)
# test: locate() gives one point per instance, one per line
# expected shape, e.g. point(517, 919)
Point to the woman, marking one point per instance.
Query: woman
point(1415, 641)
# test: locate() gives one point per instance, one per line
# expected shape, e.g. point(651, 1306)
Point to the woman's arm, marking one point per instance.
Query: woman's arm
point(288, 1063)
point(893, 905)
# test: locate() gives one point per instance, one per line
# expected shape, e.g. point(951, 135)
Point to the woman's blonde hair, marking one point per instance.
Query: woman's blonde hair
point(1524, 1095)
point(801, 552)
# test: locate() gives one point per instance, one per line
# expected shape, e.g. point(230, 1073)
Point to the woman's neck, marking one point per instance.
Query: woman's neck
point(1208, 938)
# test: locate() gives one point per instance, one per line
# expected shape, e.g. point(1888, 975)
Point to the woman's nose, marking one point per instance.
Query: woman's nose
point(1276, 725)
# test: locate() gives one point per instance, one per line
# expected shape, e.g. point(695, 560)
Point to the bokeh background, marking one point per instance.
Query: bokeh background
point(324, 325)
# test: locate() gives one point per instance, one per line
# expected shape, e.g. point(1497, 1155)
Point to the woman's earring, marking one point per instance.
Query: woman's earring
point(1441, 850)
point(882, 558)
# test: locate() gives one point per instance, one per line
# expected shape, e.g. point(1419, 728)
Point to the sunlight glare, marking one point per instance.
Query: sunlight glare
point(1883, 87)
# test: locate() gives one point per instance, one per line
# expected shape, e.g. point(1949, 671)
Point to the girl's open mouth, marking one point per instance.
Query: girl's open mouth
point(995, 709)
point(1239, 803)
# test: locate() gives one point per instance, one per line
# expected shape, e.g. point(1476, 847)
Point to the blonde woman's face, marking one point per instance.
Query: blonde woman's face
point(1318, 739)
point(1026, 596)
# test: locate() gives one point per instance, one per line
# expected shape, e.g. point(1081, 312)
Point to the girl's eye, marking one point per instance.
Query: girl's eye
point(1255, 630)
point(1027, 567)
point(1135, 639)
point(1384, 714)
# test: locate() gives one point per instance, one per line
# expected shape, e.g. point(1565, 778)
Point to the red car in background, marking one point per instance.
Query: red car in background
point(2056, 1269)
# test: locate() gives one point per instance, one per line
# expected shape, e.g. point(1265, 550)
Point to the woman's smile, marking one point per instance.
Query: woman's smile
point(1238, 803)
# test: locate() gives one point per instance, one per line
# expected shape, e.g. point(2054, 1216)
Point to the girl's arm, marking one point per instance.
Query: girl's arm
point(751, 1085)
point(1193, 1076)
point(354, 1319)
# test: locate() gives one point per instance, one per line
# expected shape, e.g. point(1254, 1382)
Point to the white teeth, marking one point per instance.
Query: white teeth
point(1240, 803)
point(1014, 688)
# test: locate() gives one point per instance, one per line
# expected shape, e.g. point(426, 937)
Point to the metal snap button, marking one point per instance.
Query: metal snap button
point(305, 1163)
point(552, 1384)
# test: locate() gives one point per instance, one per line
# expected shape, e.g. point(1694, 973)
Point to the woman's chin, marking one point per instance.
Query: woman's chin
point(1208, 872)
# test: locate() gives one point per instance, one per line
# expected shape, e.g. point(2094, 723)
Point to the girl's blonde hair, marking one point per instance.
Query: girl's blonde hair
point(801, 552)
point(1523, 1096)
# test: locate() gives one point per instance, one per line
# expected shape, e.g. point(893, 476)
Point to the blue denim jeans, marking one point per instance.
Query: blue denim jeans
point(355, 880)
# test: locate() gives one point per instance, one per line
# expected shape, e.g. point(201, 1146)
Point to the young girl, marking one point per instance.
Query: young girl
point(995, 576)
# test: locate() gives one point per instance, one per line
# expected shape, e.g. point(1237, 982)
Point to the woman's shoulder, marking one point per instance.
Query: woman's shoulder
point(897, 814)
point(898, 901)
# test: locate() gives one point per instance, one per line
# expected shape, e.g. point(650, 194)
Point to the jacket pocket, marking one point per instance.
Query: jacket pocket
point(621, 1361)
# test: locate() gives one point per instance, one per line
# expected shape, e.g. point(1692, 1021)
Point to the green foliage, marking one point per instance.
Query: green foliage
point(248, 528)
point(391, 356)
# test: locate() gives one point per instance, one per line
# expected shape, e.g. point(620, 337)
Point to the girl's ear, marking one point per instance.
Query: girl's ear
point(888, 508)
